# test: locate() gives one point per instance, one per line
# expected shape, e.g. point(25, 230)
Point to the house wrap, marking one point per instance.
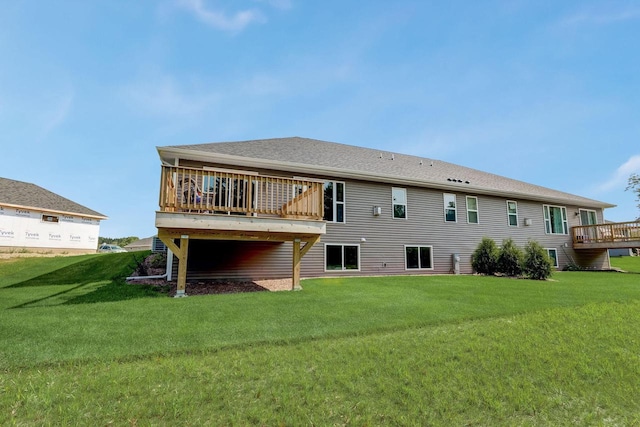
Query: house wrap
point(35, 219)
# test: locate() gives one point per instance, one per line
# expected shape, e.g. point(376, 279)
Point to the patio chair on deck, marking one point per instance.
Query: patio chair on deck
point(191, 193)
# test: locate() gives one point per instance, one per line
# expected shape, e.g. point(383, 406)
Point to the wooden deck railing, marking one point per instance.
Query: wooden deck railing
point(607, 233)
point(215, 191)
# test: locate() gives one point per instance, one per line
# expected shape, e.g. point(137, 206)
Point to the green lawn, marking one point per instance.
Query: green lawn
point(79, 346)
point(626, 263)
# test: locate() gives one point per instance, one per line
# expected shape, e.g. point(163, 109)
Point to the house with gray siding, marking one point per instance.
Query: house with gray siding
point(298, 207)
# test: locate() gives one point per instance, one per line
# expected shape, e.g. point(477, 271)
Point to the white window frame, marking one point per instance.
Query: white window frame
point(476, 210)
point(419, 247)
point(394, 204)
point(546, 213)
point(298, 189)
point(454, 208)
point(342, 245)
point(336, 203)
point(512, 214)
point(595, 214)
point(552, 258)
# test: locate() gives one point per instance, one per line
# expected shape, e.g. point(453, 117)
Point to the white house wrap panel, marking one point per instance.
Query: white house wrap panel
point(34, 218)
point(39, 229)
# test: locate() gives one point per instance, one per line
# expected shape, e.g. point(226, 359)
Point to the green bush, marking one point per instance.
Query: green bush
point(572, 267)
point(484, 259)
point(537, 264)
point(159, 260)
point(510, 259)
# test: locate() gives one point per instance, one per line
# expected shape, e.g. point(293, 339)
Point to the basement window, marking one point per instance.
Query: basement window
point(341, 257)
point(553, 255)
point(418, 257)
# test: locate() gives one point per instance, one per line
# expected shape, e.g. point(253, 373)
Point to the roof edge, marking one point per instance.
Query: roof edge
point(100, 217)
point(365, 176)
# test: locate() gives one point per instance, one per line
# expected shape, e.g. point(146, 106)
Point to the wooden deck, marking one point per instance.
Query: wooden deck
point(219, 204)
point(607, 236)
point(215, 191)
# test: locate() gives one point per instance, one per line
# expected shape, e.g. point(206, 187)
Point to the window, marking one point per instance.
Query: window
point(399, 202)
point(341, 257)
point(49, 218)
point(223, 192)
point(555, 219)
point(553, 254)
point(588, 217)
point(512, 213)
point(450, 207)
point(472, 210)
point(334, 201)
point(418, 257)
point(298, 189)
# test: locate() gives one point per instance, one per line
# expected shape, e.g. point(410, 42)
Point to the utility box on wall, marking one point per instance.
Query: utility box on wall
point(455, 259)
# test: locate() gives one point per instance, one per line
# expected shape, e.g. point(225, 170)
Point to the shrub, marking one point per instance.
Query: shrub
point(537, 264)
point(572, 267)
point(158, 260)
point(484, 259)
point(510, 259)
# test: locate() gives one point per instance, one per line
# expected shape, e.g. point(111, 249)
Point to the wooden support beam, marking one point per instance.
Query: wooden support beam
point(310, 243)
point(181, 252)
point(297, 257)
point(182, 266)
point(209, 234)
point(166, 238)
point(298, 253)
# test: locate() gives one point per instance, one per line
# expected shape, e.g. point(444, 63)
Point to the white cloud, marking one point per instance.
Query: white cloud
point(278, 4)
point(598, 17)
point(219, 19)
point(164, 97)
point(621, 175)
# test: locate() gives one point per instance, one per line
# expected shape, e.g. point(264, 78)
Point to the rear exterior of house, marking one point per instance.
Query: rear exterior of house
point(343, 210)
point(372, 241)
point(34, 219)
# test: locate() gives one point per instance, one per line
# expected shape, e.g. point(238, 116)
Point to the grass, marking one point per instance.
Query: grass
point(630, 264)
point(439, 350)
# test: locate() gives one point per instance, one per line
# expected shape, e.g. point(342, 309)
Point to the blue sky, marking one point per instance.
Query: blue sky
point(546, 92)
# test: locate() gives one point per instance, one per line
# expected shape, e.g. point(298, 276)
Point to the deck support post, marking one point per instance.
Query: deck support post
point(182, 253)
point(295, 278)
point(182, 266)
point(298, 253)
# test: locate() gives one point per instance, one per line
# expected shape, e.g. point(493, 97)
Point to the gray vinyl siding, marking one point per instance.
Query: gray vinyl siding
point(237, 260)
point(386, 237)
point(383, 252)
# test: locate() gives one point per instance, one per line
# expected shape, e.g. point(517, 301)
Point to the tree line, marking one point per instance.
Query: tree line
point(120, 241)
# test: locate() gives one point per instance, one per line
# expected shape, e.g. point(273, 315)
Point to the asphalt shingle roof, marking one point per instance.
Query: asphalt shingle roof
point(29, 195)
point(298, 153)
